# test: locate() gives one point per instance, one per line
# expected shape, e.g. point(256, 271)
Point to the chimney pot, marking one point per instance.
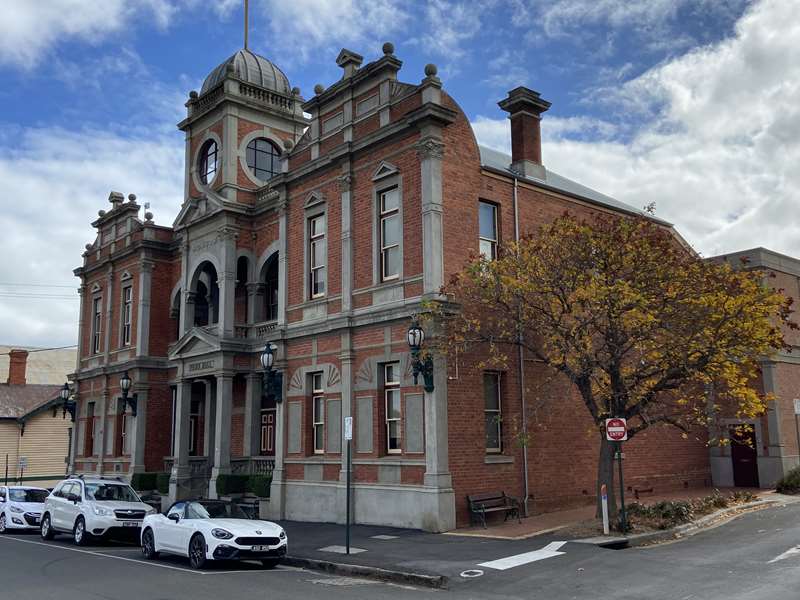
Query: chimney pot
point(525, 107)
point(18, 362)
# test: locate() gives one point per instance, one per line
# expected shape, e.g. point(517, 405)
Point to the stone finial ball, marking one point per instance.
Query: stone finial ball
point(148, 216)
point(88, 247)
point(388, 48)
point(288, 144)
point(132, 197)
point(101, 213)
point(193, 95)
point(318, 89)
point(295, 91)
point(431, 70)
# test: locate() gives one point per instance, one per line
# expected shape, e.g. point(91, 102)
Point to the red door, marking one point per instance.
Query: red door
point(745, 457)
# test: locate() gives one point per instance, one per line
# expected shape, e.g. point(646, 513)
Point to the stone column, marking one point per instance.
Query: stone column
point(187, 295)
point(255, 302)
point(179, 484)
point(252, 415)
point(101, 410)
point(283, 281)
point(222, 432)
point(143, 309)
point(437, 469)
point(226, 280)
point(81, 321)
point(431, 151)
point(138, 432)
point(345, 184)
point(109, 291)
point(209, 411)
point(277, 495)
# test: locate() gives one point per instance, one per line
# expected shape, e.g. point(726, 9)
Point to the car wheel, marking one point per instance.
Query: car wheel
point(149, 545)
point(46, 528)
point(270, 563)
point(79, 535)
point(3, 523)
point(197, 552)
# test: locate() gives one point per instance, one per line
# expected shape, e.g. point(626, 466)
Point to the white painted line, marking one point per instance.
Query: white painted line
point(789, 553)
point(134, 560)
point(341, 549)
point(501, 564)
point(384, 537)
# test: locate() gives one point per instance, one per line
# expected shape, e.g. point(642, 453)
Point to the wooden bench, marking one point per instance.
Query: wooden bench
point(482, 504)
point(639, 491)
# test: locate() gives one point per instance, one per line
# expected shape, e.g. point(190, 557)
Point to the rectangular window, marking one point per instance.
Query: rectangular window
point(88, 442)
point(97, 320)
point(127, 310)
point(318, 413)
point(487, 217)
point(491, 412)
point(391, 394)
point(390, 232)
point(316, 255)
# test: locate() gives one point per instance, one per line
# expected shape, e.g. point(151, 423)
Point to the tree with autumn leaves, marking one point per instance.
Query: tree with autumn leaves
point(641, 327)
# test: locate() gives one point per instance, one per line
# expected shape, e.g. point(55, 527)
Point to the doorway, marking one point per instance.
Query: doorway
point(744, 456)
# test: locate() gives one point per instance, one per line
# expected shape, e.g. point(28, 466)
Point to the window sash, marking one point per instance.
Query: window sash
point(392, 408)
point(318, 420)
point(317, 256)
point(492, 413)
point(127, 298)
point(391, 234)
point(487, 230)
point(97, 322)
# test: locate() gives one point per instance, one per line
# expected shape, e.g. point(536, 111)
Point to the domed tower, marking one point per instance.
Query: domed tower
point(244, 118)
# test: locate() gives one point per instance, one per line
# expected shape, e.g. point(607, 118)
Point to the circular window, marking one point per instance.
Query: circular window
point(263, 158)
point(208, 162)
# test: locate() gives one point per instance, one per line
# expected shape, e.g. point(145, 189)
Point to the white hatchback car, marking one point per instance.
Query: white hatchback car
point(89, 507)
point(21, 507)
point(212, 530)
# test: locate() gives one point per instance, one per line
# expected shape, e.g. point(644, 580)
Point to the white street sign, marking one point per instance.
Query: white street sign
point(348, 428)
point(23, 462)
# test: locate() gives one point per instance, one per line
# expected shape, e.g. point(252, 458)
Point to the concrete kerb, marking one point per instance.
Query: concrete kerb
point(401, 577)
point(685, 530)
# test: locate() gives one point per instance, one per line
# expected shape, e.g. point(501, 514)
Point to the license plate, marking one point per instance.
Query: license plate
point(260, 548)
point(130, 523)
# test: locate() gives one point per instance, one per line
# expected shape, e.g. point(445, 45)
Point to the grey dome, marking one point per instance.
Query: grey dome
point(251, 68)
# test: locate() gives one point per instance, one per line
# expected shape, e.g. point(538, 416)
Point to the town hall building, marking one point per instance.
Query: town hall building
point(319, 227)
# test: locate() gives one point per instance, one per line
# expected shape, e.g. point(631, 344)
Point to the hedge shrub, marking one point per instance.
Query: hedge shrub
point(228, 484)
point(789, 483)
point(259, 485)
point(162, 482)
point(144, 482)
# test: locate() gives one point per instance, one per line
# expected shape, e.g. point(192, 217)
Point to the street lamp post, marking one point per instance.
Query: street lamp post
point(127, 399)
point(273, 380)
point(420, 364)
point(67, 405)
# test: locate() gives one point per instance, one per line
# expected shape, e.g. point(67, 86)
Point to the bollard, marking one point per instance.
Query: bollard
point(604, 504)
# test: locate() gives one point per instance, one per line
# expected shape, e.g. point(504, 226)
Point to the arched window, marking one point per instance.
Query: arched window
point(208, 162)
point(263, 158)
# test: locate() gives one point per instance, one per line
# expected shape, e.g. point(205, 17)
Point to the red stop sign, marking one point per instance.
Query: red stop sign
point(616, 430)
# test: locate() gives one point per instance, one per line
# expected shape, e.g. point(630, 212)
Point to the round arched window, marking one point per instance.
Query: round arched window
point(263, 158)
point(208, 162)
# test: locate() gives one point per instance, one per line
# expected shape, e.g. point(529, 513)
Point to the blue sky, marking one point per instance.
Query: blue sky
point(691, 104)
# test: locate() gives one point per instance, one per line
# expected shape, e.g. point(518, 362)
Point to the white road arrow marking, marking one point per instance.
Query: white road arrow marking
point(509, 562)
point(790, 552)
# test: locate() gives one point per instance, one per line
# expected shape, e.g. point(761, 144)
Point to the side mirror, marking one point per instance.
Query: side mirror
point(174, 517)
point(74, 498)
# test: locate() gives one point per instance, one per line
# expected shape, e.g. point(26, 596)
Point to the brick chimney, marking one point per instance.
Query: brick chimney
point(16, 367)
point(525, 108)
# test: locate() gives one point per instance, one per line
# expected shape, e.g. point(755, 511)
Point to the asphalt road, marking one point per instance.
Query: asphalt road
point(755, 556)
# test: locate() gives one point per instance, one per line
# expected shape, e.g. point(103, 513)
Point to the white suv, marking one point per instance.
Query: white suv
point(88, 507)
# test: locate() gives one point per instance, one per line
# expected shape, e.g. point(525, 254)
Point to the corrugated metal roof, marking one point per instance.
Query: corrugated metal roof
point(500, 161)
point(18, 400)
point(44, 366)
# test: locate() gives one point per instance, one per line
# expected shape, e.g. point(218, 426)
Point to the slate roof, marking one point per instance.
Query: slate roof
point(17, 401)
point(499, 161)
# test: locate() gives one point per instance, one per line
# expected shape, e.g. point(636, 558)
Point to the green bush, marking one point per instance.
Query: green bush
point(789, 483)
point(231, 484)
point(143, 482)
point(162, 482)
point(259, 485)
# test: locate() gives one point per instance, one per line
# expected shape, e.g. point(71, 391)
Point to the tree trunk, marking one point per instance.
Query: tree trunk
point(605, 475)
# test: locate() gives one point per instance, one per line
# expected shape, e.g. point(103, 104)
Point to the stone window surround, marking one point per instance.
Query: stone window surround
point(499, 377)
point(241, 152)
point(207, 135)
point(315, 206)
point(496, 241)
point(97, 323)
point(316, 420)
point(386, 177)
point(385, 388)
point(127, 284)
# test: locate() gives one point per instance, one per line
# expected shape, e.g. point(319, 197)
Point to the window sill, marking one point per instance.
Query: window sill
point(494, 459)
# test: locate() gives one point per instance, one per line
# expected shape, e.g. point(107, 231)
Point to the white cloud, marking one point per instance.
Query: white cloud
point(719, 150)
point(54, 182)
point(30, 29)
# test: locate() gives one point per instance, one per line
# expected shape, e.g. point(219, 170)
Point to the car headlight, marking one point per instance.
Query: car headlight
point(16, 509)
point(221, 534)
point(101, 512)
point(282, 535)
point(150, 510)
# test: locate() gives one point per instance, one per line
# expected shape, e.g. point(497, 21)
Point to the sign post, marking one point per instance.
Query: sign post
point(617, 431)
point(604, 504)
point(796, 427)
point(348, 436)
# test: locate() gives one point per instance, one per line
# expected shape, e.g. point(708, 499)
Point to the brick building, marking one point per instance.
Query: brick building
point(322, 235)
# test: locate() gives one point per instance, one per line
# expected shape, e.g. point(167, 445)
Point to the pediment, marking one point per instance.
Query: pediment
point(198, 207)
point(385, 169)
point(314, 198)
point(194, 342)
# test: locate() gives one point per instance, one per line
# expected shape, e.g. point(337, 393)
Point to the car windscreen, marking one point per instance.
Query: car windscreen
point(215, 510)
point(33, 495)
point(109, 492)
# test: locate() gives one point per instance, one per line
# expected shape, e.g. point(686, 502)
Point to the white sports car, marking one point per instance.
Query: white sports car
point(212, 530)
